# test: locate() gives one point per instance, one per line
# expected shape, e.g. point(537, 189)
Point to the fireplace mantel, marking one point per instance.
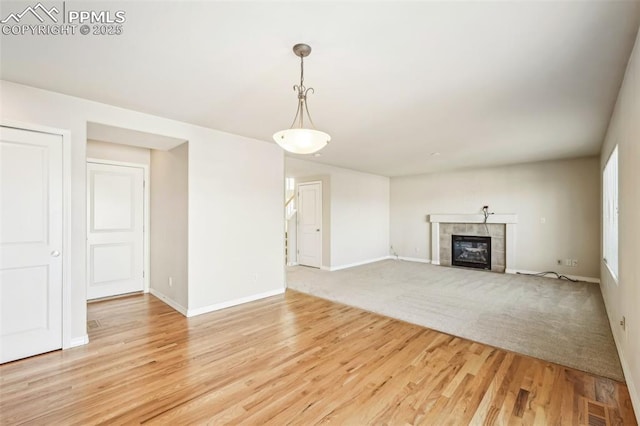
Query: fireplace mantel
point(473, 218)
point(509, 220)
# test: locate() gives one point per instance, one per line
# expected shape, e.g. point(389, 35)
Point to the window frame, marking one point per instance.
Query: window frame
point(610, 213)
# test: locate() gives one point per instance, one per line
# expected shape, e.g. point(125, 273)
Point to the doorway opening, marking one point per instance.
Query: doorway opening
point(119, 211)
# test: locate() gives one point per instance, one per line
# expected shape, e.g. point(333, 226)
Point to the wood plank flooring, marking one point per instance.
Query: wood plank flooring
point(292, 359)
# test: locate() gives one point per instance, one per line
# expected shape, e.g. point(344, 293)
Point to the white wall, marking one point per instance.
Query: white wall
point(116, 152)
point(359, 217)
point(623, 298)
point(169, 225)
point(565, 193)
point(236, 221)
point(359, 211)
point(218, 159)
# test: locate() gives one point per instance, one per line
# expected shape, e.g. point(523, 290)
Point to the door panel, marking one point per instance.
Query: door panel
point(310, 224)
point(30, 243)
point(25, 288)
point(115, 232)
point(27, 209)
point(113, 202)
point(112, 262)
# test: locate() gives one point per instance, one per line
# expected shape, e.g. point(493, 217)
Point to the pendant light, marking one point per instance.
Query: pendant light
point(302, 137)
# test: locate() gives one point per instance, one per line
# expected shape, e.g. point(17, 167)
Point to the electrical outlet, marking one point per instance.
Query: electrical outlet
point(567, 262)
point(417, 249)
point(623, 323)
point(543, 220)
point(574, 262)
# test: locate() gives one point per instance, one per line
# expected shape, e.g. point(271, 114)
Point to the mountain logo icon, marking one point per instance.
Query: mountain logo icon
point(39, 11)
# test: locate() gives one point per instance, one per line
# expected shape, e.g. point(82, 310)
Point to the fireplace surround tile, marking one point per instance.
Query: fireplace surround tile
point(458, 228)
point(501, 229)
point(445, 256)
point(444, 241)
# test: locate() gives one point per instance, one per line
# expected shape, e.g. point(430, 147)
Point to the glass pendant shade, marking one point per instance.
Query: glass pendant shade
point(300, 138)
point(301, 141)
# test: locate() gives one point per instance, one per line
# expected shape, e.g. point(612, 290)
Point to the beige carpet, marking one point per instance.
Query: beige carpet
point(550, 319)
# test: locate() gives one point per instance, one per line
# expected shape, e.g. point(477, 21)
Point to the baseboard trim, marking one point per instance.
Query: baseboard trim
point(412, 259)
point(228, 304)
point(631, 386)
point(364, 262)
point(626, 371)
point(78, 341)
point(573, 277)
point(169, 301)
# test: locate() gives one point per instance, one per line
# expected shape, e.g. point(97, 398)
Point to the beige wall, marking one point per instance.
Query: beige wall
point(358, 208)
point(563, 194)
point(169, 225)
point(116, 152)
point(623, 298)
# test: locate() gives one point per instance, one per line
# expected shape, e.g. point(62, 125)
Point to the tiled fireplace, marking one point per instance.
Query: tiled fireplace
point(500, 228)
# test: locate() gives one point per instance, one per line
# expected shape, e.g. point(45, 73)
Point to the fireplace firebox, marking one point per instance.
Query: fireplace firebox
point(471, 251)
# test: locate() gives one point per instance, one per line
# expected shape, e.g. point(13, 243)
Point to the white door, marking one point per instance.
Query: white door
point(115, 234)
point(310, 224)
point(30, 243)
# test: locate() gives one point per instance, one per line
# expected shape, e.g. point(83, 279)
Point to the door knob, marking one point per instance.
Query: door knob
point(317, 230)
point(55, 253)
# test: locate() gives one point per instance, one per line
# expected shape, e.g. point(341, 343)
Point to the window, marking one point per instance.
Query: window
point(290, 184)
point(290, 202)
point(610, 213)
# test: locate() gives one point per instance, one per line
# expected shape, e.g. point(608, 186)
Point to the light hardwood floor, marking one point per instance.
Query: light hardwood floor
point(292, 359)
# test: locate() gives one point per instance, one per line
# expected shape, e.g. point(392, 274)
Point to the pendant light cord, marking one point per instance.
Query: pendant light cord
point(302, 101)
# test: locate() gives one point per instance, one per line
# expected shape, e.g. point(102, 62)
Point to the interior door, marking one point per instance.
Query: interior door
point(30, 243)
point(115, 234)
point(310, 224)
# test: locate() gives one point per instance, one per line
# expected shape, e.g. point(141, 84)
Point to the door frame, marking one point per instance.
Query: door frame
point(319, 182)
point(146, 235)
point(67, 341)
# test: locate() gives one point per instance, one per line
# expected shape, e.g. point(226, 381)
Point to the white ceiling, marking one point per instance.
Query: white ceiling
point(482, 83)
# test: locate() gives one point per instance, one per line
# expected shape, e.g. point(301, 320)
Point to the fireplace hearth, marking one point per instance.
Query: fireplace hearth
point(471, 251)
